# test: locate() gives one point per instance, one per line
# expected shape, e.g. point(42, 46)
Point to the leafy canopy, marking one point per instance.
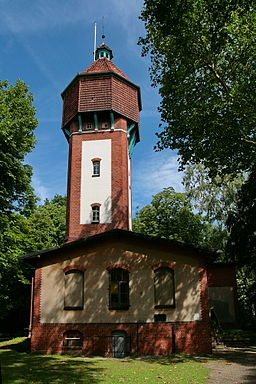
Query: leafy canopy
point(170, 216)
point(17, 125)
point(203, 56)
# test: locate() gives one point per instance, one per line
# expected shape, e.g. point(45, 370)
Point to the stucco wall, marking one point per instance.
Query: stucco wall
point(96, 189)
point(140, 261)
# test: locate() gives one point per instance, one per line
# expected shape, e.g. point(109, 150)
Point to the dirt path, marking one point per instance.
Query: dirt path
point(234, 366)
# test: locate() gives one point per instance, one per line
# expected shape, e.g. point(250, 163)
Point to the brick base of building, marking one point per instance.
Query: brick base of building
point(156, 339)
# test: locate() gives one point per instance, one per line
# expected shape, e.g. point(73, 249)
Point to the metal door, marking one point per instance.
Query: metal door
point(119, 343)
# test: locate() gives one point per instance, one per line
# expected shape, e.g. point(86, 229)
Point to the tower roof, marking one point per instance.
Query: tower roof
point(103, 65)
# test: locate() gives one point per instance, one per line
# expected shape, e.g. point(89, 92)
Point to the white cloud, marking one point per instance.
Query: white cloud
point(40, 190)
point(153, 173)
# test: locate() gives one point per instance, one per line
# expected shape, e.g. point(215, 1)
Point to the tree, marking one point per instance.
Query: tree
point(47, 224)
point(170, 216)
point(242, 241)
point(203, 57)
point(17, 125)
point(214, 198)
point(44, 228)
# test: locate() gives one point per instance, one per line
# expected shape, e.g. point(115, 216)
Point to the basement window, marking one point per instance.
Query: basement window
point(72, 339)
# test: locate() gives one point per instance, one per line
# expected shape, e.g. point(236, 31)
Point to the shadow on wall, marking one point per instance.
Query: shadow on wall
point(118, 217)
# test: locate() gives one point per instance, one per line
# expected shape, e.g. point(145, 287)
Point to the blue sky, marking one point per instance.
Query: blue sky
point(45, 43)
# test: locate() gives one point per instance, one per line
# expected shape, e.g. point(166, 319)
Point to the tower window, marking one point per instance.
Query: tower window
point(88, 125)
point(95, 214)
point(119, 289)
point(105, 125)
point(164, 288)
point(96, 168)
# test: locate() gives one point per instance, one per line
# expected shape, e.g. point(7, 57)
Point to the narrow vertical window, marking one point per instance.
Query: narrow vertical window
point(96, 168)
point(119, 289)
point(95, 214)
point(164, 288)
point(74, 290)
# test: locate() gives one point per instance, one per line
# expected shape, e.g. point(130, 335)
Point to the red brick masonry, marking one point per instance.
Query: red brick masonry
point(144, 338)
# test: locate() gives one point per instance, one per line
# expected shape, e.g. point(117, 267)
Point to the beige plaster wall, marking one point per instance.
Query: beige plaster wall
point(96, 286)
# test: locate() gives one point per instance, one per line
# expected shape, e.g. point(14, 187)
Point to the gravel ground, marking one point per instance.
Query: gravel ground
point(233, 366)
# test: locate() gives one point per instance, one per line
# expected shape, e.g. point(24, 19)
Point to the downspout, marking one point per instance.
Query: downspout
point(31, 308)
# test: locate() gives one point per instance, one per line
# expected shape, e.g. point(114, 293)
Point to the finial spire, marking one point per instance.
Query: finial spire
point(103, 34)
point(95, 41)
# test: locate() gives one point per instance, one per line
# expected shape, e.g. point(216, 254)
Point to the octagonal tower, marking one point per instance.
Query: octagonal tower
point(101, 123)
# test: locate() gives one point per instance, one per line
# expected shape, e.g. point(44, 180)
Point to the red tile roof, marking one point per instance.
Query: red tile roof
point(103, 65)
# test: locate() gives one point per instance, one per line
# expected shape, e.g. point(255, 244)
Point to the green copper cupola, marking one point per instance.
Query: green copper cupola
point(103, 51)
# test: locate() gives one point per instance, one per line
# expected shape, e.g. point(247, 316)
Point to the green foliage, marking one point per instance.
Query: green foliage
point(17, 125)
point(170, 216)
point(213, 198)
point(47, 224)
point(203, 57)
point(44, 228)
point(241, 245)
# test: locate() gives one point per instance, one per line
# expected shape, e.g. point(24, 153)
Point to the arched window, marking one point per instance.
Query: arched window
point(164, 288)
point(96, 168)
point(118, 288)
point(74, 290)
point(95, 214)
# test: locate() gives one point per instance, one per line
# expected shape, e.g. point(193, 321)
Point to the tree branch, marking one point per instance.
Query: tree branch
point(218, 77)
point(248, 141)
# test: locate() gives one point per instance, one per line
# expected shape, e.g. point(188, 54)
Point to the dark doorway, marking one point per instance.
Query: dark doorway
point(119, 344)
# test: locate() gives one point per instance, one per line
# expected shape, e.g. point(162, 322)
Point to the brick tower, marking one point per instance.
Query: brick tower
point(101, 123)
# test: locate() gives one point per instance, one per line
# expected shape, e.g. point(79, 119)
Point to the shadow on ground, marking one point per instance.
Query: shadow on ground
point(19, 366)
point(237, 364)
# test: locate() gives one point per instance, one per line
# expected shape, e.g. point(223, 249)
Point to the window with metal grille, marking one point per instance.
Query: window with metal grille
point(72, 339)
point(96, 168)
point(164, 288)
point(119, 289)
point(95, 214)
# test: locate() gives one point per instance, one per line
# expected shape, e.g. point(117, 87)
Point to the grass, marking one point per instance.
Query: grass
point(18, 366)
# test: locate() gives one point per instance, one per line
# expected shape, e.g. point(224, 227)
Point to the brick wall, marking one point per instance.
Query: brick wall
point(119, 188)
point(144, 338)
point(101, 93)
point(156, 339)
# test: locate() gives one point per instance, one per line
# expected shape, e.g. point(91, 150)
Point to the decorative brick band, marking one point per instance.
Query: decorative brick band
point(74, 268)
point(164, 265)
point(115, 266)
